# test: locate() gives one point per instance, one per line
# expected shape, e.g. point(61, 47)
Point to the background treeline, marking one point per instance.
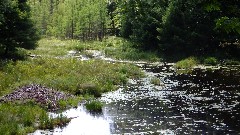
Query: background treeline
point(84, 19)
point(181, 28)
point(175, 28)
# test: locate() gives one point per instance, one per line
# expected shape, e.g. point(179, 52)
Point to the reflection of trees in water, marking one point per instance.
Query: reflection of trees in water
point(202, 102)
point(213, 93)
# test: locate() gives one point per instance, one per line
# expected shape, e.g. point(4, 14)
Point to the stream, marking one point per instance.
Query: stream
point(205, 102)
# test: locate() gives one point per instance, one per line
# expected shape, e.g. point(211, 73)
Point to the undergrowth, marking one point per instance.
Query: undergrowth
point(120, 48)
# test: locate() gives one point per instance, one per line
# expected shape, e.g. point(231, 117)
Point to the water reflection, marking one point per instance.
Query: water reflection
point(205, 102)
point(82, 123)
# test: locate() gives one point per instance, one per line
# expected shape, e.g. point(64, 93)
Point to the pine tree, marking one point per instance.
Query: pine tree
point(16, 28)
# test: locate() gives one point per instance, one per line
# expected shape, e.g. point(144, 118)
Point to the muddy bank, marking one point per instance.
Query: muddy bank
point(45, 97)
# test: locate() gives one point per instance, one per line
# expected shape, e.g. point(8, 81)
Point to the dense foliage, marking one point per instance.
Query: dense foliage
point(189, 28)
point(181, 27)
point(176, 28)
point(84, 19)
point(16, 28)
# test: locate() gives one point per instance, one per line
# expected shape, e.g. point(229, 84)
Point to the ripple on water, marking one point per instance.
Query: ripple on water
point(201, 103)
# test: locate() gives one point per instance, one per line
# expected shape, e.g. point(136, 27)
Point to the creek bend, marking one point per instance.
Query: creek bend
point(203, 102)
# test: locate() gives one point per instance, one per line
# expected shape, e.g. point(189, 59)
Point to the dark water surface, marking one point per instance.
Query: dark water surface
point(205, 102)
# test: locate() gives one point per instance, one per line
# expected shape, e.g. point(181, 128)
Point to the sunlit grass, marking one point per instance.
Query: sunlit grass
point(114, 47)
point(20, 119)
point(52, 47)
point(68, 74)
point(187, 63)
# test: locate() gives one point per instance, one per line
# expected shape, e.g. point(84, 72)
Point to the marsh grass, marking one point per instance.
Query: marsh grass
point(114, 47)
point(94, 106)
point(187, 63)
point(89, 89)
point(83, 78)
point(71, 102)
point(68, 75)
point(52, 47)
point(20, 119)
point(47, 122)
point(120, 48)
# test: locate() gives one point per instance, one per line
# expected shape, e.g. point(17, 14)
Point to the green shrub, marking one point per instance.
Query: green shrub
point(94, 106)
point(186, 63)
point(211, 61)
point(47, 122)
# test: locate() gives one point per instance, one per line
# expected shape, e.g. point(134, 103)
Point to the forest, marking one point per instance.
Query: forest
point(176, 29)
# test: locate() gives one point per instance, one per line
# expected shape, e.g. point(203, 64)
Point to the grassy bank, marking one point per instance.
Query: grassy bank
point(191, 62)
point(65, 74)
point(70, 75)
point(20, 119)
